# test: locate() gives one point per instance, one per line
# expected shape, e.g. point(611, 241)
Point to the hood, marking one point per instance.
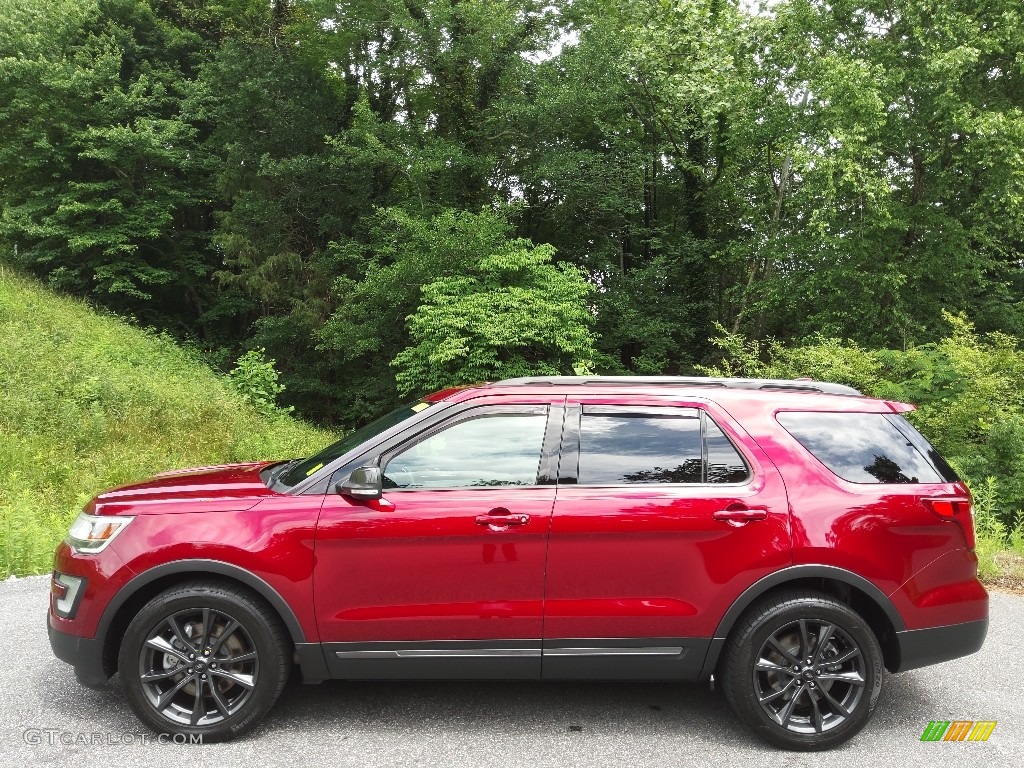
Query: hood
point(229, 487)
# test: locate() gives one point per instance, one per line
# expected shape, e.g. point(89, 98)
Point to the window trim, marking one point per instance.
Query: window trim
point(544, 458)
point(569, 467)
point(672, 412)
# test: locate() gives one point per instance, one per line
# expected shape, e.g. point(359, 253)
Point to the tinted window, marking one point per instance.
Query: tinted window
point(493, 450)
point(724, 464)
point(860, 447)
point(934, 457)
point(617, 449)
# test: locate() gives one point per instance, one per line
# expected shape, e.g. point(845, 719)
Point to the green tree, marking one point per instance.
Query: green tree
point(323, 113)
point(514, 314)
point(403, 254)
point(623, 175)
point(104, 188)
point(906, 170)
point(289, 174)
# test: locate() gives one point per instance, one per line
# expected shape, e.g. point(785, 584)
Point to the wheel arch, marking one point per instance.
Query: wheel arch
point(863, 596)
point(137, 592)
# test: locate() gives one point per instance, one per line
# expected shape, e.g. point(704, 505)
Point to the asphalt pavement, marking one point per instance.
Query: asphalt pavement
point(47, 718)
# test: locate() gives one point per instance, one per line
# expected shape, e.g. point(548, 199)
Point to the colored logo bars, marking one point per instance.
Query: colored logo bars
point(958, 730)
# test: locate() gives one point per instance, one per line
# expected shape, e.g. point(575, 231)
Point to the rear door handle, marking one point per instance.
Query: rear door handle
point(501, 518)
point(739, 515)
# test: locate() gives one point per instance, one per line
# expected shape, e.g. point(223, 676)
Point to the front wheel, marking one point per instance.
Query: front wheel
point(203, 659)
point(803, 670)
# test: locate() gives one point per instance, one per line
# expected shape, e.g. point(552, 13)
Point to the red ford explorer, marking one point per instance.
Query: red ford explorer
point(792, 538)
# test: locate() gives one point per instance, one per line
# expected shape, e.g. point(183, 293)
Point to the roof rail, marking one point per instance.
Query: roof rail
point(781, 385)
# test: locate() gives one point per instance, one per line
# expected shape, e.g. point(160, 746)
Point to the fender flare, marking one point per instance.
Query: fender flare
point(202, 568)
point(780, 578)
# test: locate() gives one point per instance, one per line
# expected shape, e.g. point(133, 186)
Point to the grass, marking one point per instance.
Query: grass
point(88, 401)
point(1000, 547)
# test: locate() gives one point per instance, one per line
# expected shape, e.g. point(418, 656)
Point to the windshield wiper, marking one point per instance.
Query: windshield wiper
point(280, 471)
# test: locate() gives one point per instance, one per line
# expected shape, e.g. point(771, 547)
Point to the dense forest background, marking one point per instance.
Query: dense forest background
point(386, 195)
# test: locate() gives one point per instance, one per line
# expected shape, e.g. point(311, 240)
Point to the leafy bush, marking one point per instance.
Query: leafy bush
point(255, 378)
point(89, 402)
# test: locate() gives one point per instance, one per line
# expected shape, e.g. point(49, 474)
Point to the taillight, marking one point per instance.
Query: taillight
point(957, 510)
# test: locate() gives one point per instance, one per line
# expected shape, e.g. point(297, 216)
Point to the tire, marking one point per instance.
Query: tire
point(178, 683)
point(811, 700)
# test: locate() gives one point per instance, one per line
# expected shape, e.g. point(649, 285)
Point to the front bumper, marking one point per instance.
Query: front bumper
point(83, 653)
point(921, 647)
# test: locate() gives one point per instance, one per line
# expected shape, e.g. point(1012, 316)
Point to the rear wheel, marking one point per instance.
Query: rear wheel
point(803, 670)
point(203, 658)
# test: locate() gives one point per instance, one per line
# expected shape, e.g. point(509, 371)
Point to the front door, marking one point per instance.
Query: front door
point(665, 513)
point(444, 576)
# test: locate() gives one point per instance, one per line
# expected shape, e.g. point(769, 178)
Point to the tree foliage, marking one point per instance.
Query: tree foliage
point(103, 182)
point(511, 314)
point(329, 181)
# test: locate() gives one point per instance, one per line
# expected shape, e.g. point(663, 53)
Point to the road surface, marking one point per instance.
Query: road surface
point(47, 718)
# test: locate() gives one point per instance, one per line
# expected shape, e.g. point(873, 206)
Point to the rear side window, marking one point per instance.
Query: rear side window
point(722, 460)
point(921, 443)
point(864, 447)
point(659, 445)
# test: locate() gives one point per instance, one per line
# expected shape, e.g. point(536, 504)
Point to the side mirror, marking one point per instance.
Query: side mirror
point(363, 484)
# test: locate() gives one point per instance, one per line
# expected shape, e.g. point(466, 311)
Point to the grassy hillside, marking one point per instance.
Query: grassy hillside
point(88, 401)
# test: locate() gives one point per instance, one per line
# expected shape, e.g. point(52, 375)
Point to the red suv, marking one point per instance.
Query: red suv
point(789, 538)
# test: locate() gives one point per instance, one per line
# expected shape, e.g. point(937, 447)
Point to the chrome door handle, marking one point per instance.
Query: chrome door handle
point(501, 517)
point(737, 516)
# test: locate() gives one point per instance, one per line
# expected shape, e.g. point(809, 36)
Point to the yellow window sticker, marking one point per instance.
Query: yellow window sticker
point(419, 407)
point(315, 469)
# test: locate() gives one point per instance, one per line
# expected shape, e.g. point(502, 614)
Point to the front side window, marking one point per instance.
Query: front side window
point(623, 448)
point(487, 451)
point(860, 447)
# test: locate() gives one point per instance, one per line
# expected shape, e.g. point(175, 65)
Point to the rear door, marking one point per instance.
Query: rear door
point(664, 515)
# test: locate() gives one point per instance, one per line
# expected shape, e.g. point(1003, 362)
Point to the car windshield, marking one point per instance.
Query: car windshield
point(307, 467)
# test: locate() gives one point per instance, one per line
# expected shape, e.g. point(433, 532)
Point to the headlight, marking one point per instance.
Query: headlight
point(92, 533)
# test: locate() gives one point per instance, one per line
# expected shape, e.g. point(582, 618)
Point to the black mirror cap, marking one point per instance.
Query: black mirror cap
point(363, 484)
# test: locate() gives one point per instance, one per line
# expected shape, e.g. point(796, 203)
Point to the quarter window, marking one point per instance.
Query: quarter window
point(860, 447)
point(488, 451)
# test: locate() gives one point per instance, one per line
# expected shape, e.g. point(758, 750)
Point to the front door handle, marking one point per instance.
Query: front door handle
point(737, 514)
point(500, 518)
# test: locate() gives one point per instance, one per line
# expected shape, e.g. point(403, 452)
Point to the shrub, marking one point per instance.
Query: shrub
point(255, 379)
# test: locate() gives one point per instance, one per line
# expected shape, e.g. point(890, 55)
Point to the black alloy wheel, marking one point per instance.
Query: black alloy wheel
point(203, 659)
point(803, 670)
point(809, 676)
point(198, 667)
